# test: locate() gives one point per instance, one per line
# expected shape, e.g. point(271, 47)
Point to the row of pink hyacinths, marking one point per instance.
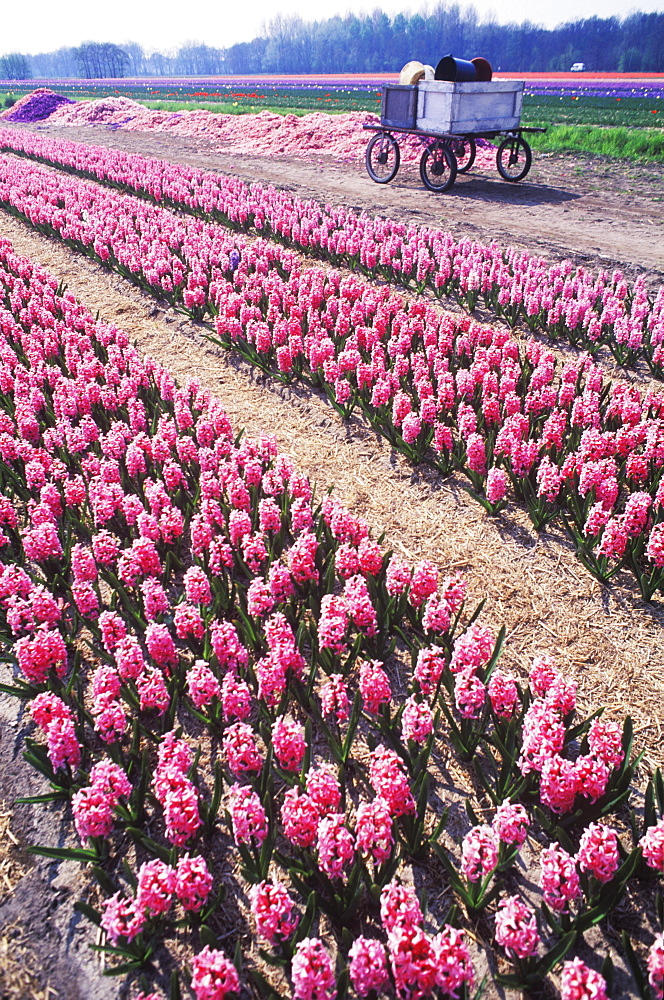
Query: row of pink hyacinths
point(212, 591)
point(570, 444)
point(564, 301)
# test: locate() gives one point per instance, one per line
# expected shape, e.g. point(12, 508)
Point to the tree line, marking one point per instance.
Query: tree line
point(378, 43)
point(373, 43)
point(95, 61)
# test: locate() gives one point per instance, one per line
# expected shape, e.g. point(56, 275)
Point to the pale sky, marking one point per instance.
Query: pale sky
point(44, 25)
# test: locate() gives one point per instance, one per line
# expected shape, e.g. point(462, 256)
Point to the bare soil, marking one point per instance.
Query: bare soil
point(606, 638)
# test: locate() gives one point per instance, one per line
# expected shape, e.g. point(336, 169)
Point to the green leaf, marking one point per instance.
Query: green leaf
point(343, 982)
point(575, 731)
point(276, 961)
point(477, 612)
point(628, 737)
point(265, 990)
point(157, 849)
point(635, 966)
point(104, 880)
point(658, 782)
point(124, 968)
point(551, 919)
point(65, 853)
point(24, 691)
point(440, 826)
point(423, 797)
point(610, 893)
point(511, 982)
point(237, 958)
point(649, 813)
point(88, 911)
point(607, 971)
point(37, 757)
point(557, 954)
point(496, 651)
point(208, 937)
point(352, 726)
point(175, 993)
point(480, 989)
point(47, 797)
point(472, 815)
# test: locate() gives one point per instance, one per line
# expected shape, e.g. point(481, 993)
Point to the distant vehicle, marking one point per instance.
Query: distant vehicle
point(578, 68)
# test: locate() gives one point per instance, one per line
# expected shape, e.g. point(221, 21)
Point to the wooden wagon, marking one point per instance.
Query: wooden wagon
point(448, 118)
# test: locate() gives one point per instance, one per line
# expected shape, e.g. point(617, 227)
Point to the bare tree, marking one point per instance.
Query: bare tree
point(15, 66)
point(136, 57)
point(102, 60)
point(55, 65)
point(159, 64)
point(195, 59)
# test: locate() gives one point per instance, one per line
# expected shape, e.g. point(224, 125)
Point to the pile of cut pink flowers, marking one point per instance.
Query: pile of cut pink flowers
point(563, 301)
point(267, 134)
point(571, 446)
point(243, 703)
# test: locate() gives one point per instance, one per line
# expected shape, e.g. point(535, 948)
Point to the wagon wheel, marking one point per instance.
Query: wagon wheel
point(514, 158)
point(382, 158)
point(465, 151)
point(438, 167)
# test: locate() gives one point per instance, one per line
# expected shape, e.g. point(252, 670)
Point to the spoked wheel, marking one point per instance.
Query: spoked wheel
point(465, 151)
point(514, 158)
point(382, 158)
point(438, 167)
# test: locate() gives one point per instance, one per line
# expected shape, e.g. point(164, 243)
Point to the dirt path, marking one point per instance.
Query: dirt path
point(599, 212)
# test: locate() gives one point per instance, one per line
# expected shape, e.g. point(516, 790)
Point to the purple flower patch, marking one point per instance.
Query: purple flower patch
point(37, 106)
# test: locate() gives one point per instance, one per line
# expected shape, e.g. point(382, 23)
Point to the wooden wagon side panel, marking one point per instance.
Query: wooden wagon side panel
point(399, 105)
point(469, 107)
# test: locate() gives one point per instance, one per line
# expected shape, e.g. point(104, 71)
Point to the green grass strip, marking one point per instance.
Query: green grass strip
point(644, 145)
